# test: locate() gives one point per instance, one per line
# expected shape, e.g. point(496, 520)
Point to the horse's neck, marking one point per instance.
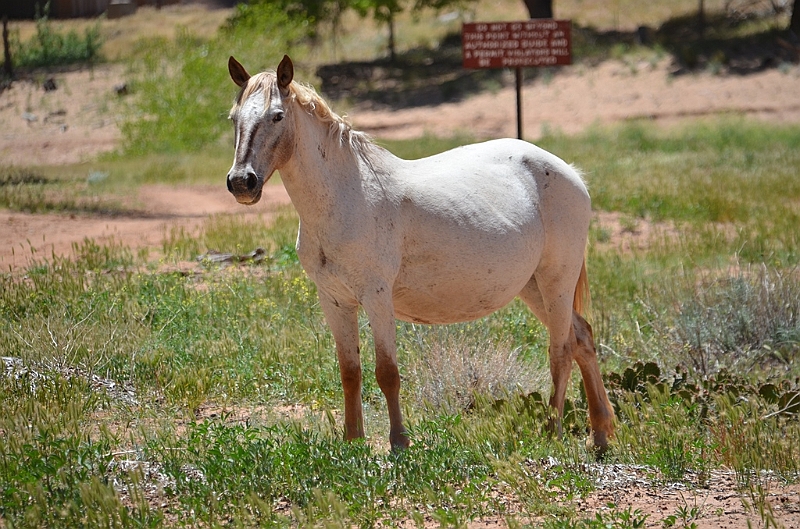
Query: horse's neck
point(323, 176)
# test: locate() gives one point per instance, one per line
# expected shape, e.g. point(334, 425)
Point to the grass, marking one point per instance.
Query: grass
point(105, 186)
point(113, 363)
point(132, 395)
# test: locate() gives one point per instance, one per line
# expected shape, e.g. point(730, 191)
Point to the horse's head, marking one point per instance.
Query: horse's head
point(263, 127)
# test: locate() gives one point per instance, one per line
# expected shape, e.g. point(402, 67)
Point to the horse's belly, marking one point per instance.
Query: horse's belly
point(457, 293)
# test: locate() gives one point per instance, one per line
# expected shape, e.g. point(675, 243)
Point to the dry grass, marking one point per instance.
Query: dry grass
point(459, 364)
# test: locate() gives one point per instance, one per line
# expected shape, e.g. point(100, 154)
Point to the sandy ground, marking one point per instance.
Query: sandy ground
point(73, 123)
point(579, 97)
point(79, 120)
point(26, 238)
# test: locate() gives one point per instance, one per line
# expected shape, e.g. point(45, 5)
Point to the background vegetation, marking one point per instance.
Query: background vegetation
point(134, 395)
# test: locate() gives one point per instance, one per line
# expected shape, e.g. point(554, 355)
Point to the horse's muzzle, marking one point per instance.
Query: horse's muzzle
point(245, 188)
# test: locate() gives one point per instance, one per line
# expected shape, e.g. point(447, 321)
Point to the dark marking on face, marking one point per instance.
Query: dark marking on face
point(322, 152)
point(323, 260)
point(248, 150)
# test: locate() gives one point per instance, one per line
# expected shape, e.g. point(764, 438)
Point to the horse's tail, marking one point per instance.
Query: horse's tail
point(581, 300)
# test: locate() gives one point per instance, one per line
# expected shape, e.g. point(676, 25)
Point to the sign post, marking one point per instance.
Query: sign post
point(530, 43)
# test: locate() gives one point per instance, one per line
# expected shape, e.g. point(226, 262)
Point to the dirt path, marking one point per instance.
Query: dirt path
point(612, 92)
point(26, 238)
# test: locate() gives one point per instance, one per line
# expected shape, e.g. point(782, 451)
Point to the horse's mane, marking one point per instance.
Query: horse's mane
point(338, 127)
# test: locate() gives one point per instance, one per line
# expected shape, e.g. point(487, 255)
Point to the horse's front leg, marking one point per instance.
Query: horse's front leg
point(380, 311)
point(342, 319)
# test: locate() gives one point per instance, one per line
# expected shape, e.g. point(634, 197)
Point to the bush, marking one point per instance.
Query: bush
point(736, 322)
point(458, 365)
point(51, 48)
point(183, 88)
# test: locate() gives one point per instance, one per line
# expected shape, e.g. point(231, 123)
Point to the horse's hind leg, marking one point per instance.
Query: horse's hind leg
point(601, 414)
point(554, 312)
point(570, 338)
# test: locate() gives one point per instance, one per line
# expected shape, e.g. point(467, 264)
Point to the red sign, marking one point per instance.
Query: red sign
point(535, 42)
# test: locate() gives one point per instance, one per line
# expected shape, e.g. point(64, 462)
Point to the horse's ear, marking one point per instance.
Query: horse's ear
point(285, 73)
point(237, 71)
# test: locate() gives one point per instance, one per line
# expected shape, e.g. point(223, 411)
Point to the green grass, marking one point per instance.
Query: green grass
point(132, 395)
point(117, 361)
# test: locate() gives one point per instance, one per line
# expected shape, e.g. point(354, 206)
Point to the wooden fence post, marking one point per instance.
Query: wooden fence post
point(7, 66)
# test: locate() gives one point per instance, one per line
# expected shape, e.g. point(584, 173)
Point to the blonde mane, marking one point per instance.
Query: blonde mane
point(338, 127)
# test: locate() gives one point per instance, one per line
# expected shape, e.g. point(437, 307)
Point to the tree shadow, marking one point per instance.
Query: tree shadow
point(723, 44)
point(417, 77)
point(430, 76)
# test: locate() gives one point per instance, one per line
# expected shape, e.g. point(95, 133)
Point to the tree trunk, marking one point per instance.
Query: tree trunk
point(392, 55)
point(8, 67)
point(544, 8)
point(794, 25)
point(701, 19)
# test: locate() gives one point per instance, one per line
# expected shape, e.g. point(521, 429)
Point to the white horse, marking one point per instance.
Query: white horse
point(444, 239)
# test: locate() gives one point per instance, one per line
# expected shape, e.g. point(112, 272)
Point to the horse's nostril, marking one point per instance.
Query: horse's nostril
point(230, 186)
point(252, 180)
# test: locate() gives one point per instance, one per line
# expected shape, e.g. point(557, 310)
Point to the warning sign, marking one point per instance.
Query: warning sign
point(535, 42)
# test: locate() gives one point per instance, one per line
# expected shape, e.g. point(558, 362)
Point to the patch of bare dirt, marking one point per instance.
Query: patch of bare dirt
point(26, 238)
point(75, 121)
point(581, 96)
point(716, 503)
point(625, 234)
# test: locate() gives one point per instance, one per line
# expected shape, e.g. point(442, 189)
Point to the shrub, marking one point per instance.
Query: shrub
point(49, 47)
point(183, 89)
point(738, 321)
point(459, 364)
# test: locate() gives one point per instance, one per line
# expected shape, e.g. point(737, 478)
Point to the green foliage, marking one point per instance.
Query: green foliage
point(255, 15)
point(183, 90)
point(681, 422)
point(219, 469)
point(704, 174)
point(52, 473)
point(50, 47)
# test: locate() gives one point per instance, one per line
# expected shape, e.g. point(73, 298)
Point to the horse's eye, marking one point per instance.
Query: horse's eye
point(277, 117)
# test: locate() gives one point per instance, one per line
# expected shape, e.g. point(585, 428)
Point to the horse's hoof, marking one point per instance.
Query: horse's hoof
point(598, 444)
point(399, 442)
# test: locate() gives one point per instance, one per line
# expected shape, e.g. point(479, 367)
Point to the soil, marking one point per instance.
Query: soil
point(79, 120)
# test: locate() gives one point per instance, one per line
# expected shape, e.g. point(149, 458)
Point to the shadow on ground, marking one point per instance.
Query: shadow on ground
point(720, 43)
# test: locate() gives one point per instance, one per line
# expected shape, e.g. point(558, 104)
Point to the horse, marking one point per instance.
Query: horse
point(444, 239)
